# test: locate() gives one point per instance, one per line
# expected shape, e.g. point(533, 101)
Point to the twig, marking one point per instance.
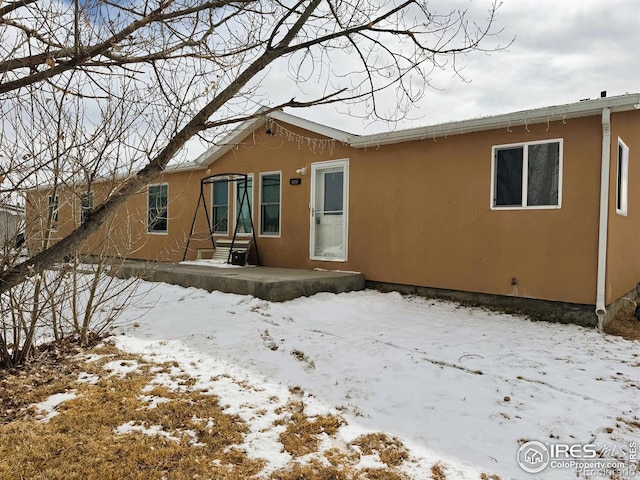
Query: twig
point(465, 354)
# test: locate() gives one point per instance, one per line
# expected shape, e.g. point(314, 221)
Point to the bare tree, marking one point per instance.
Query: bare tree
point(95, 88)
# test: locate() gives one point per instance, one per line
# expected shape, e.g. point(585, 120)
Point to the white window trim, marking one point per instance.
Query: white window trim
point(54, 225)
point(321, 165)
point(525, 160)
point(270, 235)
point(91, 195)
point(622, 178)
point(222, 234)
point(235, 206)
point(165, 232)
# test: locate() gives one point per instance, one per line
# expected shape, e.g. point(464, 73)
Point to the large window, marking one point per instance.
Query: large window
point(86, 206)
point(623, 178)
point(158, 202)
point(220, 214)
point(527, 175)
point(244, 221)
point(270, 204)
point(54, 207)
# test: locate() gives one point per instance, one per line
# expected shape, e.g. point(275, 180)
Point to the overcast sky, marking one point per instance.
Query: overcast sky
point(564, 51)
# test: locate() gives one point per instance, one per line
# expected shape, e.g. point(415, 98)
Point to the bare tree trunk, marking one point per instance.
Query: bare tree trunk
point(94, 91)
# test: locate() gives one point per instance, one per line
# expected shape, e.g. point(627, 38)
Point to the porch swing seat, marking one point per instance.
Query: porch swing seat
point(221, 252)
point(224, 246)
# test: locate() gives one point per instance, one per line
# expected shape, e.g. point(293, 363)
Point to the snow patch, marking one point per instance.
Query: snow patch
point(47, 409)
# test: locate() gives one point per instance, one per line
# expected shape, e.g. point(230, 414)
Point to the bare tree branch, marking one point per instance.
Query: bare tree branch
point(11, 6)
point(85, 96)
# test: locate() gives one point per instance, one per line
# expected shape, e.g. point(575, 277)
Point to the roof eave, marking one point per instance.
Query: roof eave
point(181, 167)
point(312, 126)
point(525, 117)
point(230, 141)
point(233, 138)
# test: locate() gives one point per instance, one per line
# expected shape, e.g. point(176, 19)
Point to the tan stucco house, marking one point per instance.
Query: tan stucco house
point(537, 210)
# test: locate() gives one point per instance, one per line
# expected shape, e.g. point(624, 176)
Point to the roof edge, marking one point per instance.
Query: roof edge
point(524, 117)
point(312, 126)
point(230, 140)
point(185, 166)
point(235, 136)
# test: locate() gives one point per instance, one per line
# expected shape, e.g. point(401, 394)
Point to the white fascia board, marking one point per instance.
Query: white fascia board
point(311, 126)
point(179, 167)
point(236, 136)
point(121, 177)
point(231, 140)
point(583, 108)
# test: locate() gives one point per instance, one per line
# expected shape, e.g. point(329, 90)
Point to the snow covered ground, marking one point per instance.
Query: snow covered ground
point(461, 385)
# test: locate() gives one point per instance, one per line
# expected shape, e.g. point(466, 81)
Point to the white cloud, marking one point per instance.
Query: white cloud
point(563, 51)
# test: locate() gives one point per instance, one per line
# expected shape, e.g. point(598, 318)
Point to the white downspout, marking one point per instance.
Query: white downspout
point(604, 217)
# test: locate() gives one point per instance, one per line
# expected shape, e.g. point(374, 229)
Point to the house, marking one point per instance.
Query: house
point(11, 226)
point(536, 210)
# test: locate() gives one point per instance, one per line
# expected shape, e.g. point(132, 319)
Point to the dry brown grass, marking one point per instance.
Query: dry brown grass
point(437, 472)
point(80, 442)
point(54, 371)
point(302, 434)
point(338, 457)
point(197, 439)
point(313, 471)
point(390, 450)
point(624, 324)
point(380, 474)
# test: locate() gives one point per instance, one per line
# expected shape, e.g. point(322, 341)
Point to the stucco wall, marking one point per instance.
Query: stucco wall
point(419, 212)
point(446, 235)
point(275, 153)
point(125, 234)
point(623, 247)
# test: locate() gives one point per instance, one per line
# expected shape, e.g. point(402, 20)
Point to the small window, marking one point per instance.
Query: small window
point(244, 220)
point(220, 214)
point(270, 204)
point(54, 207)
point(623, 178)
point(527, 175)
point(158, 202)
point(333, 193)
point(86, 206)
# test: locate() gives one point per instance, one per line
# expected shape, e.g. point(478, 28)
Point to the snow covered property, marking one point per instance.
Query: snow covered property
point(462, 387)
point(534, 209)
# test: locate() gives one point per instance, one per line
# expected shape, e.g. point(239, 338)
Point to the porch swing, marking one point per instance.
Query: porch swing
point(236, 251)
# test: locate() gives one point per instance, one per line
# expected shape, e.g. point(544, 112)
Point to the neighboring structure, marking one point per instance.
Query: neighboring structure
point(536, 210)
point(11, 226)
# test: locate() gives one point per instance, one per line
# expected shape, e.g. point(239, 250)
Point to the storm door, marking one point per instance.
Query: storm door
point(329, 210)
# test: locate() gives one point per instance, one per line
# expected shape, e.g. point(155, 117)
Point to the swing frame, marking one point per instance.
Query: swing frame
point(234, 178)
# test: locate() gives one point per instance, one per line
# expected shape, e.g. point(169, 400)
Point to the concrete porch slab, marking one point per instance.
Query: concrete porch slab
point(268, 283)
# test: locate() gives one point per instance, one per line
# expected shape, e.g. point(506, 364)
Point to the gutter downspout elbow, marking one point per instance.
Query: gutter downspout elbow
point(601, 309)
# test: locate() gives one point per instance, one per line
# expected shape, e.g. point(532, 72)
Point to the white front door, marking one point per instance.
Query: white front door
point(329, 210)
